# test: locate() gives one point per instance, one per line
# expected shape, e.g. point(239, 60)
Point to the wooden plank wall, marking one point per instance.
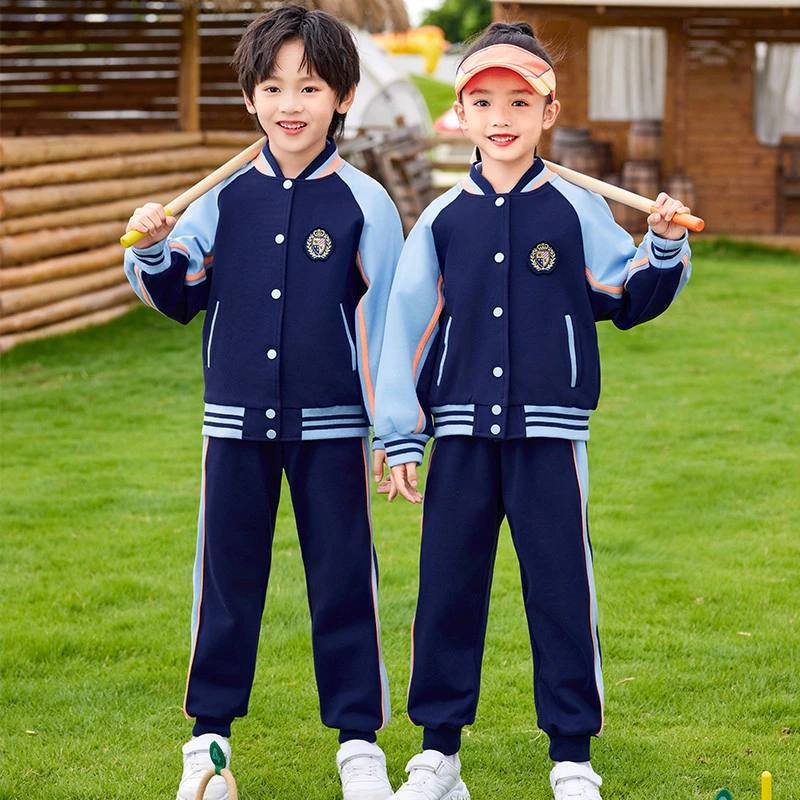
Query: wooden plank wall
point(90, 66)
point(708, 122)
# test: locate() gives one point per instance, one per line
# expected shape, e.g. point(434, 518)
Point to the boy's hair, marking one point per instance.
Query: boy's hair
point(517, 33)
point(329, 46)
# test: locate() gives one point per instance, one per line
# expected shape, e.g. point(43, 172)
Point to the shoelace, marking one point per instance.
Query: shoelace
point(359, 767)
point(575, 788)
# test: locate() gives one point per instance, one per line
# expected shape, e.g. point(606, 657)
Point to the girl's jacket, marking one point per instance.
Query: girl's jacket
point(491, 320)
point(294, 275)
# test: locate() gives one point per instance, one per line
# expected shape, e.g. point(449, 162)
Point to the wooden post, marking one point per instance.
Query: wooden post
point(189, 74)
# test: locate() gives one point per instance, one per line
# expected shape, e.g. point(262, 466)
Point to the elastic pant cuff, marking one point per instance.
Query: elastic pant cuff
point(348, 736)
point(219, 727)
point(446, 740)
point(569, 748)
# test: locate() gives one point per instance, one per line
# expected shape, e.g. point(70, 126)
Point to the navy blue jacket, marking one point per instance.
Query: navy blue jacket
point(491, 319)
point(295, 277)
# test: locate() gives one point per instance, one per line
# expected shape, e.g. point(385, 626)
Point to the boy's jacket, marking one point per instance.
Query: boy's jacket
point(491, 322)
point(294, 276)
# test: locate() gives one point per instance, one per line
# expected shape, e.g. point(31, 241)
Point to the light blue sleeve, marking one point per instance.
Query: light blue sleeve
point(412, 320)
point(378, 252)
point(628, 284)
point(171, 276)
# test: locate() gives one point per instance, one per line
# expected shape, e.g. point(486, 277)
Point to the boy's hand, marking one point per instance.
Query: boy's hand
point(378, 468)
point(660, 221)
point(151, 220)
point(404, 482)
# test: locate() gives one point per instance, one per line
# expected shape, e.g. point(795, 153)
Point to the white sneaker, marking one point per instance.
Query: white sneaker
point(362, 768)
point(575, 781)
point(196, 762)
point(432, 776)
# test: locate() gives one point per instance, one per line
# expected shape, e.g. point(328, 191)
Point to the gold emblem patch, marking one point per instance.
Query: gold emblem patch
point(319, 244)
point(543, 258)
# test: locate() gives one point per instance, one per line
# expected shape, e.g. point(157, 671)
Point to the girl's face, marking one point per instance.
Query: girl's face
point(295, 107)
point(503, 116)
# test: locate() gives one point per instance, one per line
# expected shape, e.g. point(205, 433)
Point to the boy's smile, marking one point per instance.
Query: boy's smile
point(295, 107)
point(504, 117)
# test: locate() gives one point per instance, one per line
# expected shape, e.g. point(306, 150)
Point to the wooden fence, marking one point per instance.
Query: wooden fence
point(64, 203)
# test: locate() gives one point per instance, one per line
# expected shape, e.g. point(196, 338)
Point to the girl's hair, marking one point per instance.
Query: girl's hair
point(329, 48)
point(517, 33)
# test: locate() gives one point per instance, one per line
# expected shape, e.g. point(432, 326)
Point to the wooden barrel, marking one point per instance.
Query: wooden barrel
point(645, 140)
point(564, 140)
point(605, 157)
point(640, 177)
point(681, 187)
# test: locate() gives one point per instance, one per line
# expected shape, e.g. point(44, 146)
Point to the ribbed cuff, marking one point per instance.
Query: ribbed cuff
point(349, 736)
point(569, 748)
point(446, 740)
point(220, 727)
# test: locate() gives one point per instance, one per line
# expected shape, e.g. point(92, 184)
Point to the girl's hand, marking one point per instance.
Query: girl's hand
point(378, 472)
point(660, 221)
point(152, 220)
point(404, 482)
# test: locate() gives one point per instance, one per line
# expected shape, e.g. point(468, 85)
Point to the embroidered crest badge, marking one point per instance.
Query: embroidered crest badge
point(543, 258)
point(319, 244)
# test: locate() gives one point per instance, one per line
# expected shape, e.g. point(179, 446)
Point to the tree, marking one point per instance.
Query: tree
point(460, 19)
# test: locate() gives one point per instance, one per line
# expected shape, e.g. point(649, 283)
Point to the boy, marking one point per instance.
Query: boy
point(292, 259)
point(513, 268)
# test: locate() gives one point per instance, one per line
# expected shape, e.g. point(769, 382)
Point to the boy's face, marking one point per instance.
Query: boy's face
point(503, 116)
point(295, 107)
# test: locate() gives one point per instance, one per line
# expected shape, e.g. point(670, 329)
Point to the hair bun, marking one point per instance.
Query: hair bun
point(512, 27)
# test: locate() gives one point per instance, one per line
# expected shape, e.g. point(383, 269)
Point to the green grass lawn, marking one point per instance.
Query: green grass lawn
point(694, 512)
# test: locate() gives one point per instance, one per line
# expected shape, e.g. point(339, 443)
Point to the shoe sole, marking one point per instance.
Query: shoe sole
point(458, 792)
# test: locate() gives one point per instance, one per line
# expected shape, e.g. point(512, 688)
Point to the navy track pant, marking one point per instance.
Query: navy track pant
point(541, 485)
point(329, 482)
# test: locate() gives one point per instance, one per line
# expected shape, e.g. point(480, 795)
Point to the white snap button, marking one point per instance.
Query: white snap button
point(272, 354)
point(499, 201)
point(276, 293)
point(270, 412)
point(499, 258)
point(497, 372)
point(287, 184)
point(495, 429)
point(496, 410)
point(271, 434)
point(498, 312)
point(280, 238)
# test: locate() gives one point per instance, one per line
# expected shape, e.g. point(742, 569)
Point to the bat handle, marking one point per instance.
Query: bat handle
point(687, 220)
point(131, 237)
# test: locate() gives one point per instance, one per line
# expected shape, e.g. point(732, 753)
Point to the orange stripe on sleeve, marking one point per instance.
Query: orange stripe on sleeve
point(429, 329)
point(362, 335)
point(141, 286)
point(603, 287)
point(177, 246)
point(193, 278)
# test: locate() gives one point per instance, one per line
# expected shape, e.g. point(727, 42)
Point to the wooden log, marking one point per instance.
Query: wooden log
point(64, 309)
point(230, 138)
point(35, 200)
point(53, 268)
point(24, 151)
point(12, 301)
point(27, 247)
point(68, 326)
point(116, 166)
point(120, 210)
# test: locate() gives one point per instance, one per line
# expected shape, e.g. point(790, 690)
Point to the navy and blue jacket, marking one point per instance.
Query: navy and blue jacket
point(491, 320)
point(294, 275)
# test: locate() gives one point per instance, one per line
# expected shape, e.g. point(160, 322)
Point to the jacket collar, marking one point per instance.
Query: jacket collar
point(534, 176)
point(325, 163)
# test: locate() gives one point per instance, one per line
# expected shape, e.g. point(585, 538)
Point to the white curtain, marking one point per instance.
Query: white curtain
point(627, 73)
point(776, 105)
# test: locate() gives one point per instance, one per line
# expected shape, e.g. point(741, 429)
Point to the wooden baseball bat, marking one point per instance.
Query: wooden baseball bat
point(621, 195)
point(209, 182)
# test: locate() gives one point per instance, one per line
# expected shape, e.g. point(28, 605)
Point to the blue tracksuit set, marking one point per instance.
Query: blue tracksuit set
point(294, 277)
point(491, 340)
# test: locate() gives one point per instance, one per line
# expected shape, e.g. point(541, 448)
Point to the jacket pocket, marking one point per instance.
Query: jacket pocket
point(353, 360)
point(444, 351)
point(211, 335)
point(573, 352)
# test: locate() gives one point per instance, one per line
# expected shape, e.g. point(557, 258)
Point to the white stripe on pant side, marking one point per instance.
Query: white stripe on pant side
point(582, 467)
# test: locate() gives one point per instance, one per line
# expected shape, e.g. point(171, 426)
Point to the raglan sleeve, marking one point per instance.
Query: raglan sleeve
point(378, 252)
point(173, 276)
point(412, 320)
point(629, 284)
